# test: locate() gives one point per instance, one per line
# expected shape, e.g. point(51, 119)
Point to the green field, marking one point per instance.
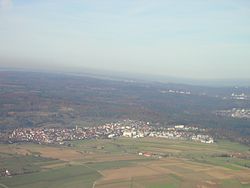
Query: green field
point(116, 163)
point(68, 176)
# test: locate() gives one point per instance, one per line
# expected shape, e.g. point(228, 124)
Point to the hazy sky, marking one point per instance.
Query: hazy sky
point(184, 38)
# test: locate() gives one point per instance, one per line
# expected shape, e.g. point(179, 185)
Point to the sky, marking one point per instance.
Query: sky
point(198, 39)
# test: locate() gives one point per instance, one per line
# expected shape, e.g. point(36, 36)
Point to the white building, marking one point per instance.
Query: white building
point(179, 126)
point(128, 133)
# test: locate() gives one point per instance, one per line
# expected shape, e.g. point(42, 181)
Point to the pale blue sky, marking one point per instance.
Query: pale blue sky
point(183, 38)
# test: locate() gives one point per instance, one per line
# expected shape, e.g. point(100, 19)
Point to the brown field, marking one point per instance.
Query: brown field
point(13, 149)
point(168, 150)
point(124, 183)
point(96, 157)
point(129, 172)
point(220, 173)
point(54, 165)
point(189, 174)
point(60, 153)
point(63, 154)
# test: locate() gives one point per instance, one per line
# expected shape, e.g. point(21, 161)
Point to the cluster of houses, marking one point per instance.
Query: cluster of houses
point(240, 113)
point(175, 132)
point(5, 172)
point(59, 135)
point(241, 96)
point(177, 92)
point(125, 128)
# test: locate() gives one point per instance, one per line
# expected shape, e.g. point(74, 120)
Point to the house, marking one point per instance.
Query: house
point(128, 133)
point(179, 126)
point(147, 154)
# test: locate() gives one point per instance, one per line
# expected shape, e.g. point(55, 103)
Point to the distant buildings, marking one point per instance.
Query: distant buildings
point(240, 113)
point(241, 96)
point(203, 139)
point(128, 133)
point(179, 126)
point(176, 92)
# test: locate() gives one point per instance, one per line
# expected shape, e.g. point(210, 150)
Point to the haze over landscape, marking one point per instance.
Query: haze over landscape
point(187, 39)
point(124, 94)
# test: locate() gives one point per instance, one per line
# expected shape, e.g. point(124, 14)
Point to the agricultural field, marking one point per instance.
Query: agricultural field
point(126, 162)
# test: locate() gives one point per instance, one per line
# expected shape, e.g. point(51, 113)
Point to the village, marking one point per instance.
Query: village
point(239, 113)
point(125, 128)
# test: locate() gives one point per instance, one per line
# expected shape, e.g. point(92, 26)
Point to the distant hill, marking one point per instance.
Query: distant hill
point(33, 99)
